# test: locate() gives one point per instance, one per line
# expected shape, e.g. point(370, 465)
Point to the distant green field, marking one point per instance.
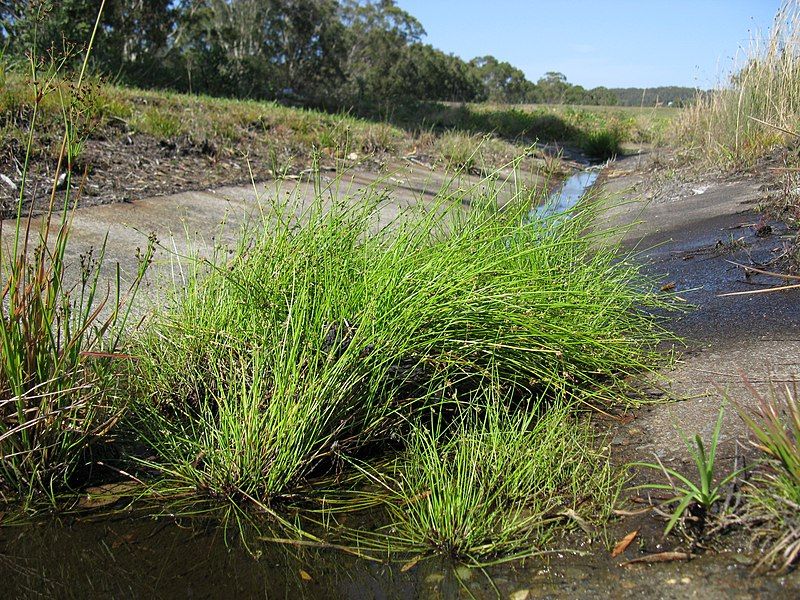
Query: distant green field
point(641, 124)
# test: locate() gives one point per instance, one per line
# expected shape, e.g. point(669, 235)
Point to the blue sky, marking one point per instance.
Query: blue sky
point(616, 43)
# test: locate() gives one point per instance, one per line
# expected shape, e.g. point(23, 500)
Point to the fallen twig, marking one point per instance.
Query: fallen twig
point(772, 289)
point(763, 272)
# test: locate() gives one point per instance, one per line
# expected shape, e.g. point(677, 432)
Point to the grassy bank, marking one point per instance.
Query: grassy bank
point(579, 126)
point(133, 143)
point(758, 110)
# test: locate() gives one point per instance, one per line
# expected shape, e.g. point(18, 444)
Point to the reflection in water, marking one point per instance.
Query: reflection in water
point(568, 195)
point(143, 558)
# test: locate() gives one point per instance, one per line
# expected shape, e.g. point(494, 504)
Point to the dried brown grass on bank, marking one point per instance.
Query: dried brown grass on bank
point(758, 110)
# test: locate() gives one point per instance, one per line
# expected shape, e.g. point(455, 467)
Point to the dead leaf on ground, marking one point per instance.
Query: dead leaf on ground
point(668, 286)
point(658, 558)
point(623, 544)
point(304, 575)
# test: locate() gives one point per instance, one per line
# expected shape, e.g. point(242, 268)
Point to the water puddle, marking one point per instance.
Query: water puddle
point(146, 558)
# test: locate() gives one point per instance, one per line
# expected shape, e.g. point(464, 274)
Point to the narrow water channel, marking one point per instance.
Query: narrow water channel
point(567, 194)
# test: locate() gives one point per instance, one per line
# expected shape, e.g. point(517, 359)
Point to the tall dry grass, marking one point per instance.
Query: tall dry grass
point(759, 108)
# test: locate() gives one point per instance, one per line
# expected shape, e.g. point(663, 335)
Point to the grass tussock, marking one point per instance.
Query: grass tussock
point(330, 333)
point(774, 499)
point(60, 392)
point(760, 107)
point(491, 484)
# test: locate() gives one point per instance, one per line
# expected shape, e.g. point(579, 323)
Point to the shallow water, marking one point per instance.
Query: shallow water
point(568, 194)
point(145, 558)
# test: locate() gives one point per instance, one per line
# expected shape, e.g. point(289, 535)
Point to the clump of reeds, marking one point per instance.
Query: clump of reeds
point(604, 144)
point(60, 332)
point(491, 483)
point(326, 334)
point(774, 497)
point(760, 107)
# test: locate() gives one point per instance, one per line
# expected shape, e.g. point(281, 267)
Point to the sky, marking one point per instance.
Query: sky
point(615, 43)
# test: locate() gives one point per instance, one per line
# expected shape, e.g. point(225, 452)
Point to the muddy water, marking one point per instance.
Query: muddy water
point(142, 558)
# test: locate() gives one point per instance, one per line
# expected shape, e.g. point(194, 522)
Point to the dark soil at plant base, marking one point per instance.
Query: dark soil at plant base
point(121, 166)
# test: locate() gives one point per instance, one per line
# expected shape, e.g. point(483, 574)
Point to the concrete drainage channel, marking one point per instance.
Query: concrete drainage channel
point(126, 556)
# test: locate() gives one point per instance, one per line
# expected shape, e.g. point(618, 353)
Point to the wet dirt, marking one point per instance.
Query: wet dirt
point(699, 239)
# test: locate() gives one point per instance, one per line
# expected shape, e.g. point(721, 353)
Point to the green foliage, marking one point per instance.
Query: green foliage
point(493, 482)
point(328, 53)
point(160, 124)
point(703, 494)
point(604, 144)
point(501, 81)
point(658, 96)
point(774, 498)
point(320, 336)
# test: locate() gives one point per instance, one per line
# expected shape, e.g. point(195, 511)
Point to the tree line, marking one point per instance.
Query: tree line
point(351, 54)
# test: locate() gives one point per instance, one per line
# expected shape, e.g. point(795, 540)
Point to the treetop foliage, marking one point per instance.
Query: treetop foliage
point(360, 54)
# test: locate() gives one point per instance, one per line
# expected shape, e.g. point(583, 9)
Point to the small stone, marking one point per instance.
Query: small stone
point(464, 573)
point(685, 580)
point(352, 156)
point(520, 595)
point(671, 581)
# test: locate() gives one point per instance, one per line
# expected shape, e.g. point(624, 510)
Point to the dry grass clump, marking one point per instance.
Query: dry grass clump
point(737, 124)
point(774, 500)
